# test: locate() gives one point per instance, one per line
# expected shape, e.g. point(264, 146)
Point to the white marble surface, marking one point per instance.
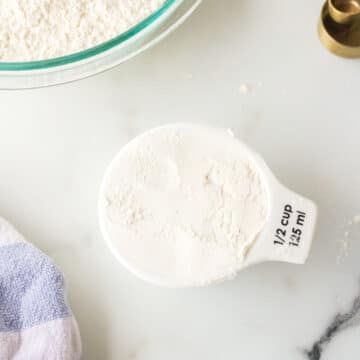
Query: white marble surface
point(55, 144)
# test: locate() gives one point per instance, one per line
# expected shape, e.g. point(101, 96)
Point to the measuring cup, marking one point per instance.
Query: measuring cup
point(339, 27)
point(286, 236)
point(344, 11)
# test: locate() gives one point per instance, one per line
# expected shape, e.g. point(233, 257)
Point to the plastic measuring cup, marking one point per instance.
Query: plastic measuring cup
point(286, 236)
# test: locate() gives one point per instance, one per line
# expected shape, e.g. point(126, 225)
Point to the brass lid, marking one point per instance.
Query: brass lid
point(339, 27)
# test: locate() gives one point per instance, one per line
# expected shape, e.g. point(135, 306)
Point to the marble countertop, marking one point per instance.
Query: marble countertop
point(300, 110)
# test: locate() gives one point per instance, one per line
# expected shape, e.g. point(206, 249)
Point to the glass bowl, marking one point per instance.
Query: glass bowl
point(33, 74)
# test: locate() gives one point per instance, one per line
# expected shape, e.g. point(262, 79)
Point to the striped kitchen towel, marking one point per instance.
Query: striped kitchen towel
point(35, 321)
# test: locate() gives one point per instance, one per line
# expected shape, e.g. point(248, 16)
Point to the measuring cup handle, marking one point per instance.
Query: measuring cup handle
point(288, 234)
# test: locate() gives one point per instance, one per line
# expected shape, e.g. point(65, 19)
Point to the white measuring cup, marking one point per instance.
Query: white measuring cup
point(286, 236)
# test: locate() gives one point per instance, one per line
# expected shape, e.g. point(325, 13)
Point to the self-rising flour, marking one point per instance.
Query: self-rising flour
point(43, 29)
point(181, 205)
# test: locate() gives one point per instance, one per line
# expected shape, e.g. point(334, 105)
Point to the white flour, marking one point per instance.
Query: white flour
point(182, 204)
point(43, 29)
point(356, 219)
point(345, 242)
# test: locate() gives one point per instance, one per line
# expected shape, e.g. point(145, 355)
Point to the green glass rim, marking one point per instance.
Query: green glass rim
point(88, 53)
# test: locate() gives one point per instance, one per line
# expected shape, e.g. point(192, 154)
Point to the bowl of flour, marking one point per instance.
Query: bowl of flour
point(47, 42)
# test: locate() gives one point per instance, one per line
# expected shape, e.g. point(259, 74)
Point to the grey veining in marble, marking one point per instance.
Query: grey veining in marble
point(340, 322)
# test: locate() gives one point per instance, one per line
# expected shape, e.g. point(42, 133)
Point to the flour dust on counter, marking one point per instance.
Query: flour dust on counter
point(43, 29)
point(356, 219)
point(350, 231)
point(250, 87)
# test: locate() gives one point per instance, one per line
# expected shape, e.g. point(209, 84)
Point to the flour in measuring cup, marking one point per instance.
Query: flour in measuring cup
point(183, 203)
point(42, 29)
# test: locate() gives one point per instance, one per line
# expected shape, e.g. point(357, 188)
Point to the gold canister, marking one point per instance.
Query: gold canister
point(339, 27)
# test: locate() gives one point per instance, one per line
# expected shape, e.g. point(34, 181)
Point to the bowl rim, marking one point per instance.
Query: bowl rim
point(90, 52)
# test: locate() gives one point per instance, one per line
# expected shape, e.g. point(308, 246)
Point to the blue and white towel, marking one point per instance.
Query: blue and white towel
point(35, 321)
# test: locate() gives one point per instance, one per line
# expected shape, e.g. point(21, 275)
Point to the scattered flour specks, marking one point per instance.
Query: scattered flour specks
point(344, 242)
point(244, 88)
point(247, 88)
point(356, 219)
